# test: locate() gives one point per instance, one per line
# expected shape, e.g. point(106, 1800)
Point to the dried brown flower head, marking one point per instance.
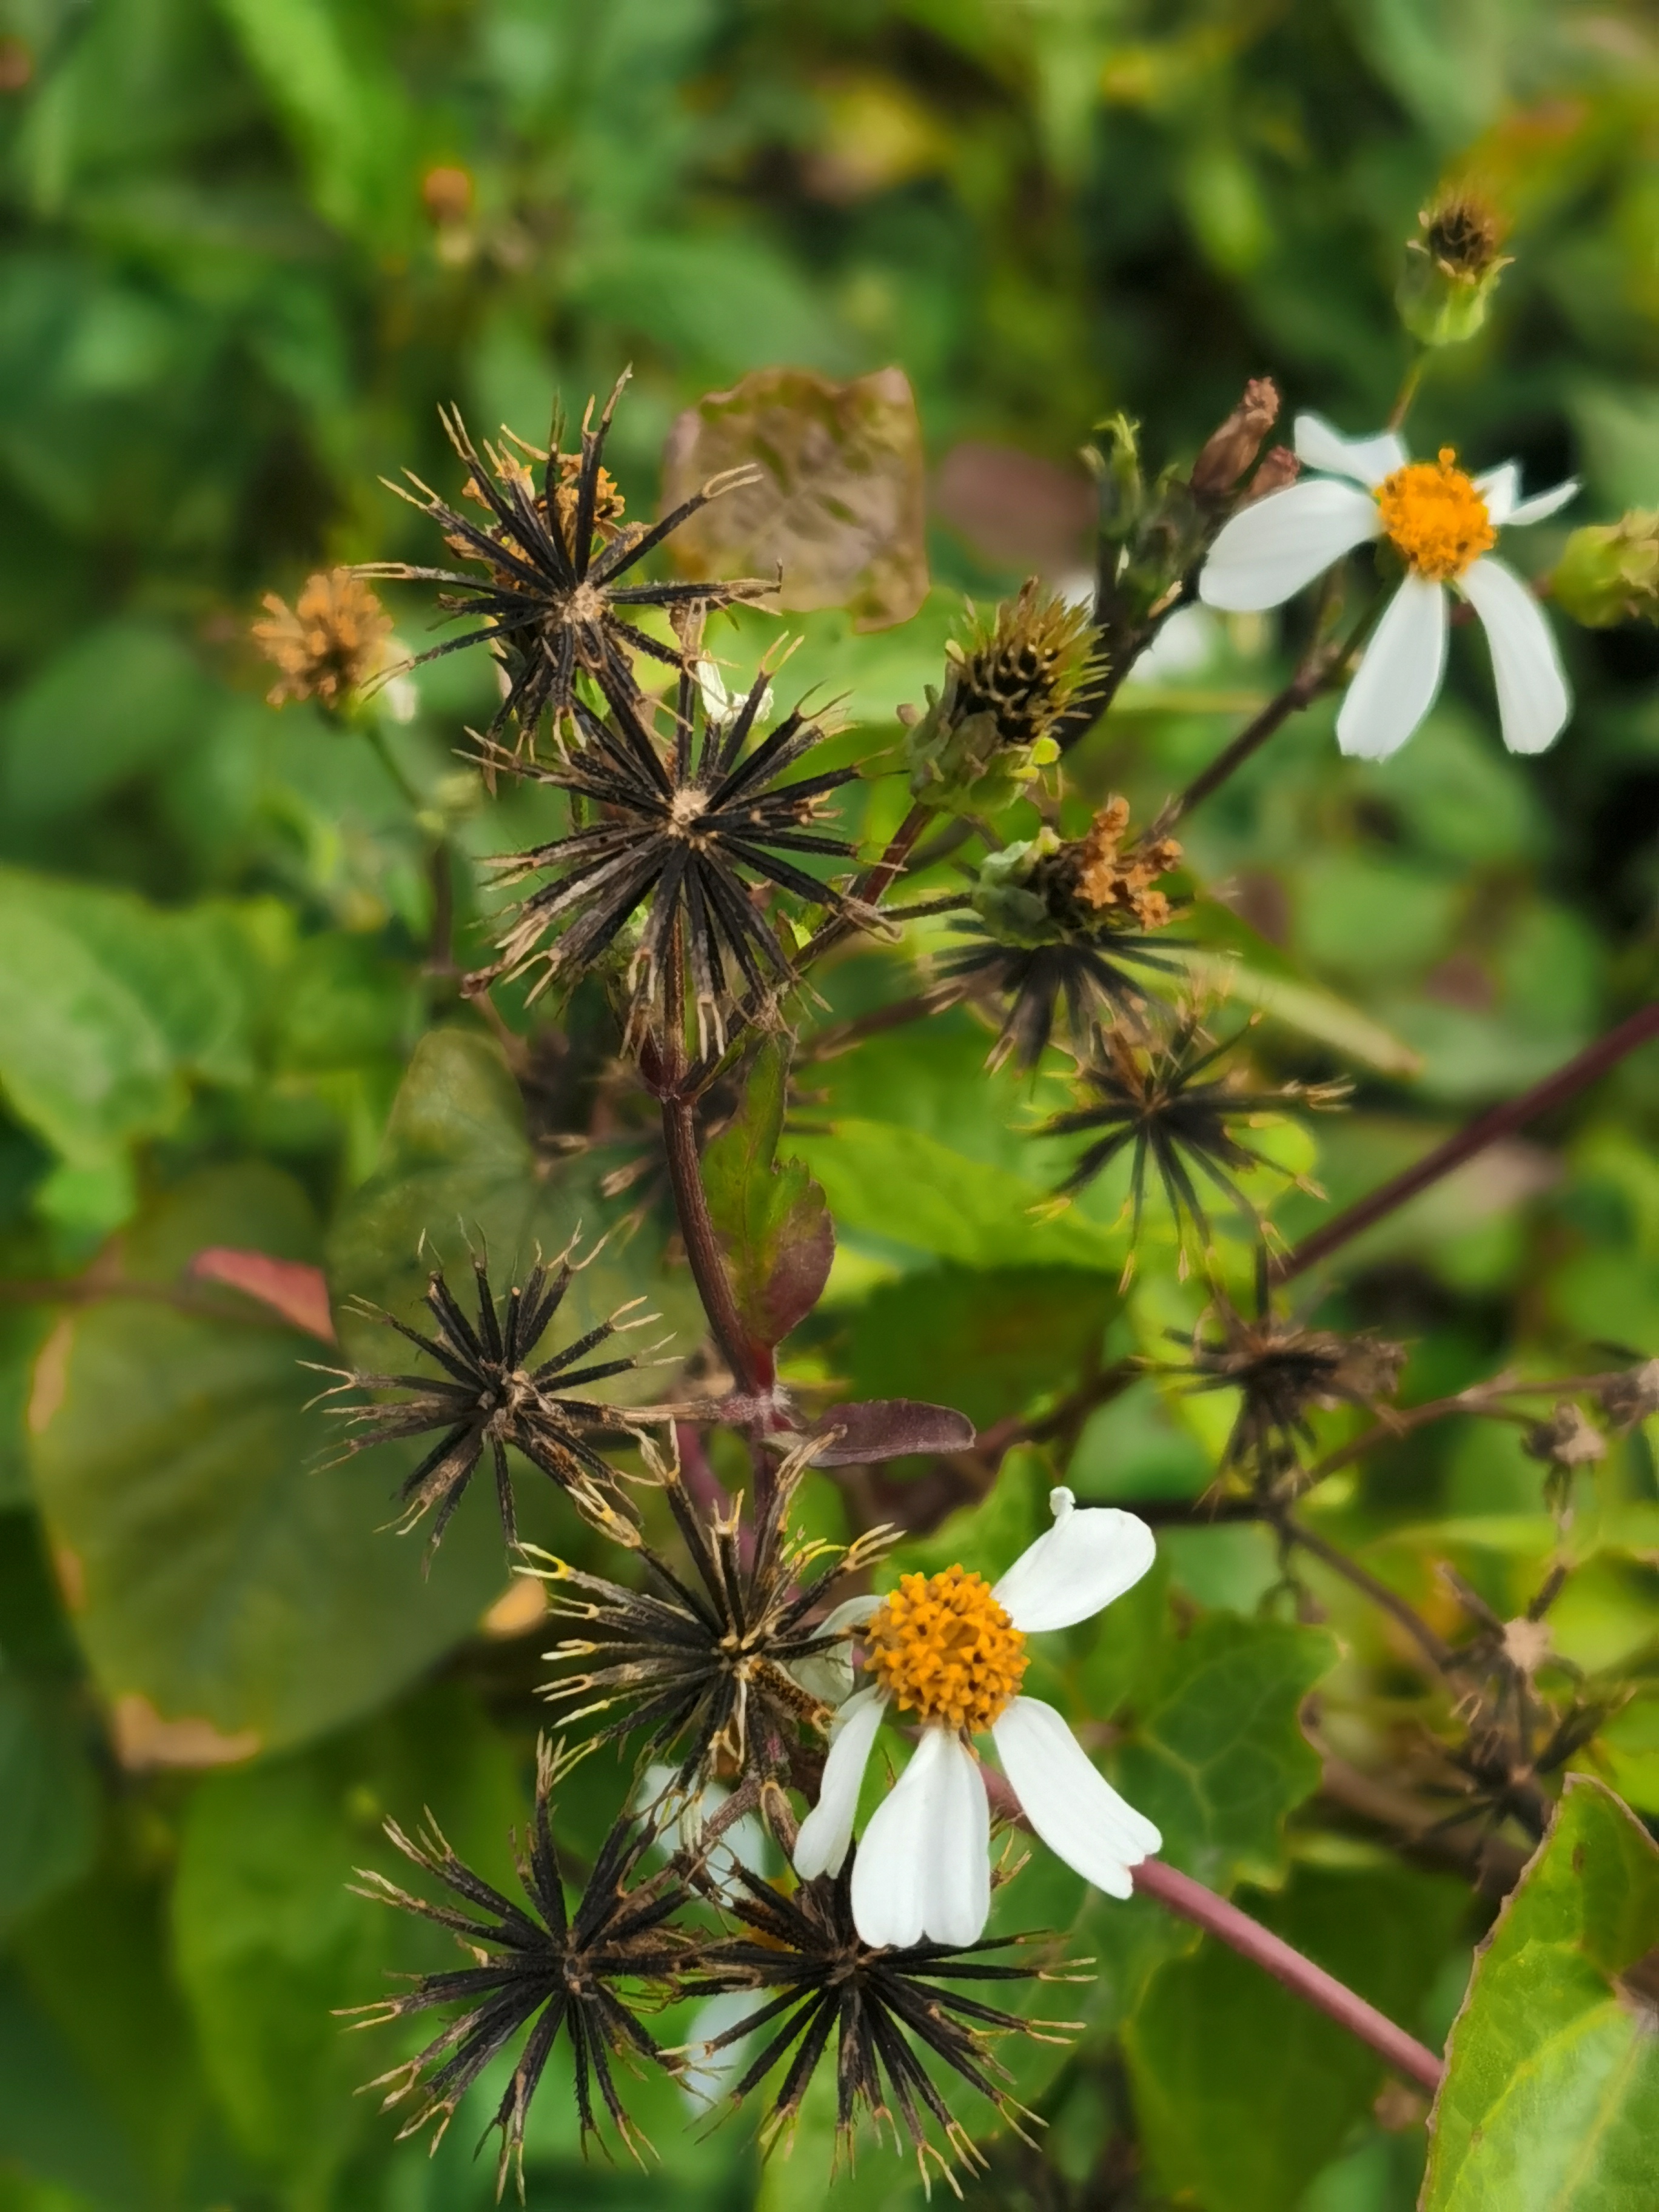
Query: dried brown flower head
point(1164, 1102)
point(1633, 1396)
point(719, 1668)
point(551, 597)
point(1463, 233)
point(1107, 880)
point(587, 1973)
point(1283, 1370)
point(487, 1394)
point(330, 643)
point(681, 832)
point(1565, 1438)
point(886, 2008)
point(1229, 450)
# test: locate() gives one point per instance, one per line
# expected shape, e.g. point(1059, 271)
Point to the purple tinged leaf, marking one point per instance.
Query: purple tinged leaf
point(890, 1428)
point(772, 1219)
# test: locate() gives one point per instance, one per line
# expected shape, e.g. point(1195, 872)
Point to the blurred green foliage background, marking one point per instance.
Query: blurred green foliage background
point(249, 246)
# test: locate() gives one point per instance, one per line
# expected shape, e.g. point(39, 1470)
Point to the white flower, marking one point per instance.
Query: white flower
point(951, 1649)
point(1441, 522)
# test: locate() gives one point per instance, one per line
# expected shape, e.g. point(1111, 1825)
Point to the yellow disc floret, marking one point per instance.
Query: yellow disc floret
point(942, 1647)
point(1435, 517)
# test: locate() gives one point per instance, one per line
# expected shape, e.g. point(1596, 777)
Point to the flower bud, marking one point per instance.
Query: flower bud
point(1229, 450)
point(1610, 573)
point(330, 644)
point(1279, 469)
point(1005, 689)
point(1452, 269)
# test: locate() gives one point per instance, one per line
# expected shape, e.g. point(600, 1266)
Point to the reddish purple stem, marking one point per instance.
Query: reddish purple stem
point(1178, 1892)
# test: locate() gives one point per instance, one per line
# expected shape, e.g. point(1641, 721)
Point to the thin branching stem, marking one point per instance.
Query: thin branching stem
point(1486, 1129)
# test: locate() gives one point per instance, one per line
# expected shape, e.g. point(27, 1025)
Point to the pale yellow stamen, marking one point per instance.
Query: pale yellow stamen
point(1435, 517)
point(942, 1647)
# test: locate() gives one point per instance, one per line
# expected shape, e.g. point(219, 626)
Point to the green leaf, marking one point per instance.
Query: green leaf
point(1242, 2090)
point(116, 702)
point(109, 1004)
point(53, 2125)
point(989, 1342)
point(1217, 1756)
point(1551, 2097)
point(270, 1942)
point(233, 1594)
point(47, 1789)
point(902, 1186)
point(458, 1170)
point(771, 1217)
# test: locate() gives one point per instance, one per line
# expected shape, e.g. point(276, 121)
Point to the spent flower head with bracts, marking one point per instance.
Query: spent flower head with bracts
point(552, 600)
point(1063, 924)
point(330, 644)
point(686, 830)
point(1441, 523)
point(1007, 690)
point(488, 1394)
point(889, 2009)
point(1452, 266)
point(950, 1650)
point(720, 1670)
point(1282, 1370)
point(1165, 1103)
point(587, 1972)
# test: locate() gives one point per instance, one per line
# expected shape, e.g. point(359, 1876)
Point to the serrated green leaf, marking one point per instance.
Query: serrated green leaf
point(771, 1217)
point(228, 1580)
point(1217, 1756)
point(1551, 2099)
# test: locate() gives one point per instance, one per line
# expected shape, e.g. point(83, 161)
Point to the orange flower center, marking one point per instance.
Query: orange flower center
point(1435, 517)
point(942, 1647)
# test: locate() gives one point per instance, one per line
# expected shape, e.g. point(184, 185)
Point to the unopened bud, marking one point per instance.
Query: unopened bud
point(1610, 573)
point(1452, 268)
point(1279, 468)
point(1229, 450)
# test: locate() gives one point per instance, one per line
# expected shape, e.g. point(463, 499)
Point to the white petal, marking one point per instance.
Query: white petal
point(1075, 1569)
point(1533, 701)
point(827, 1675)
point(1271, 549)
point(924, 1867)
point(1542, 504)
point(827, 1830)
point(1366, 459)
point(1501, 489)
point(1073, 1808)
point(1397, 680)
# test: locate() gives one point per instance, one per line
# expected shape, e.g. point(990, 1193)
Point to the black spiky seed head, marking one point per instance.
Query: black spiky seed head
point(552, 600)
point(680, 835)
point(1283, 1370)
point(889, 2011)
point(720, 1669)
point(1170, 1105)
point(587, 1972)
point(488, 1394)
